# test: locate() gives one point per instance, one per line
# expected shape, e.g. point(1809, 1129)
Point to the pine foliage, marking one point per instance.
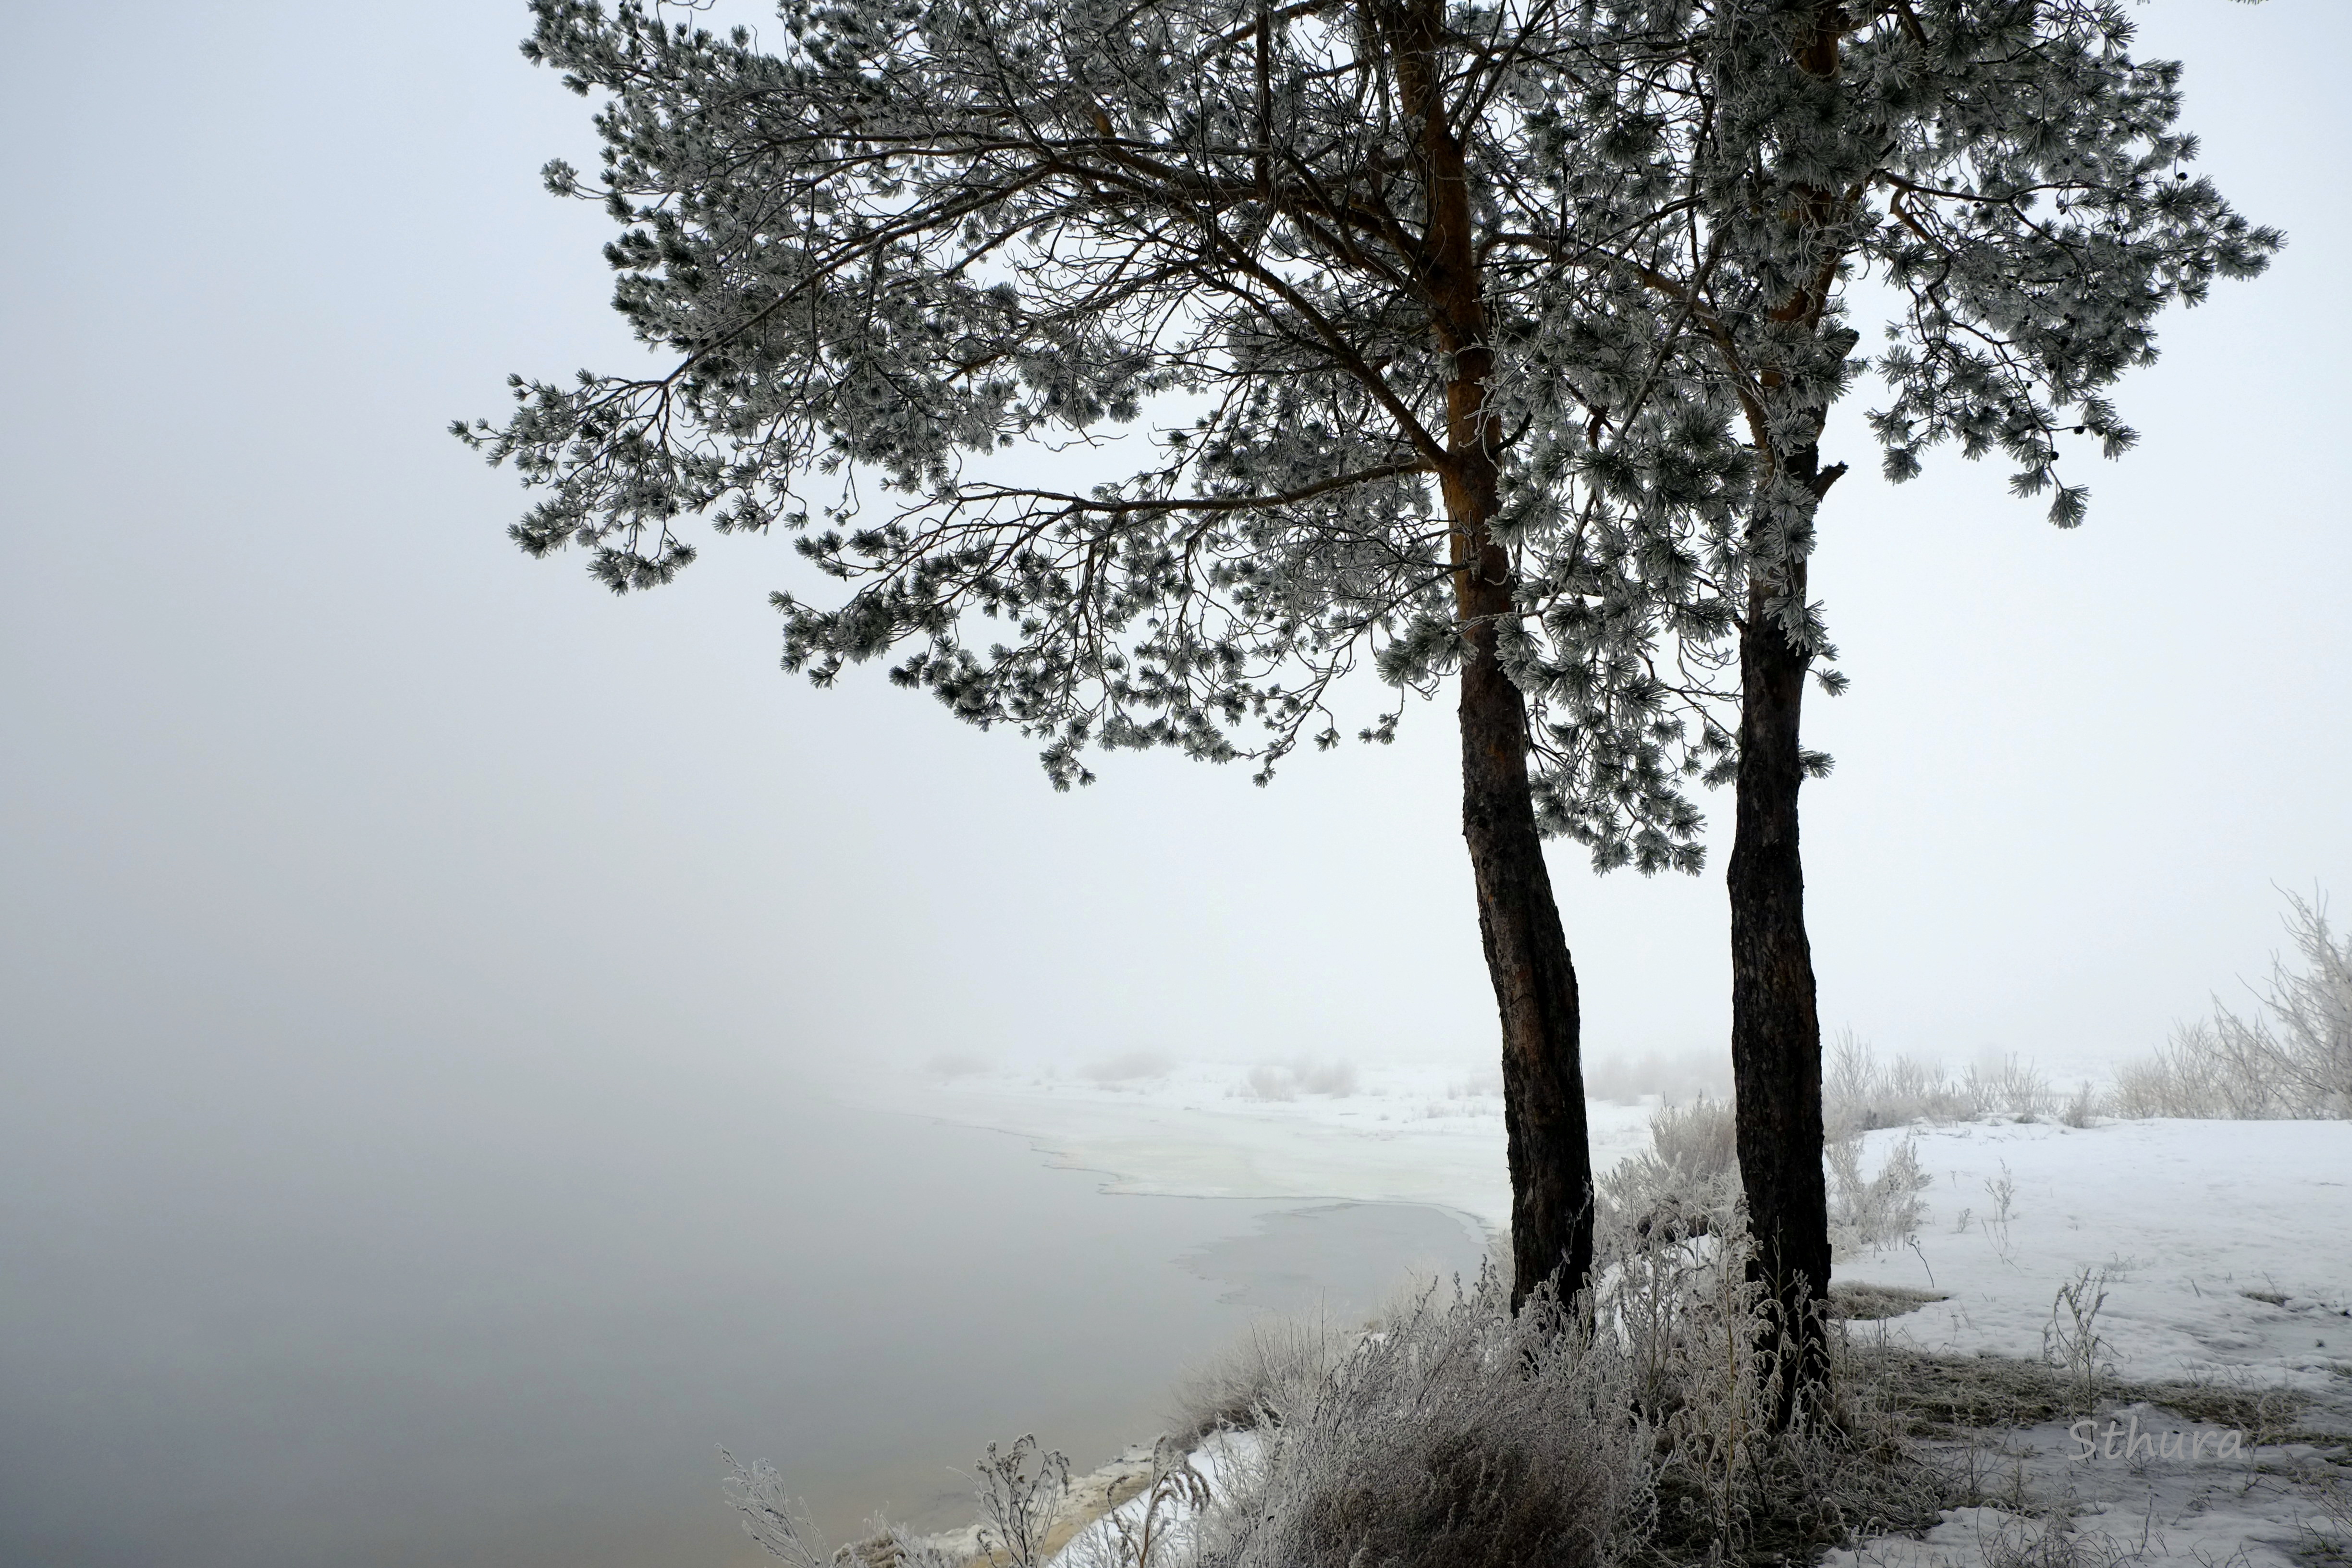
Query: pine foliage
point(908, 258)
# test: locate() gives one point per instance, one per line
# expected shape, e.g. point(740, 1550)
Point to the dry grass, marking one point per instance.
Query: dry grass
point(1461, 1437)
point(1873, 1303)
point(1947, 1396)
point(1275, 1370)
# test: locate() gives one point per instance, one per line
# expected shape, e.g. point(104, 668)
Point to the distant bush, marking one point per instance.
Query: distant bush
point(2012, 1089)
point(1271, 1083)
point(1478, 1085)
point(1335, 1078)
point(957, 1064)
point(2192, 1076)
point(1873, 1211)
point(1129, 1066)
point(1860, 1093)
point(2292, 1059)
point(1688, 1075)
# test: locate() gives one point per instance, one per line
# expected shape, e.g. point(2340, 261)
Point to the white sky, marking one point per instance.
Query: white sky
point(300, 750)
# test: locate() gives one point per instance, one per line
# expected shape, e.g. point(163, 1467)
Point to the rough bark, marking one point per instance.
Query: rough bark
point(1518, 921)
point(1776, 1029)
point(1776, 1032)
point(1535, 985)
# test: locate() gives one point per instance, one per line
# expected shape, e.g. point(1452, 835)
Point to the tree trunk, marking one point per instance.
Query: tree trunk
point(1776, 1031)
point(1535, 984)
point(1776, 1026)
point(1519, 923)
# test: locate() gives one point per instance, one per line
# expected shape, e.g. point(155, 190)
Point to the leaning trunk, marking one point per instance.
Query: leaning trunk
point(1526, 953)
point(1776, 1032)
point(1535, 984)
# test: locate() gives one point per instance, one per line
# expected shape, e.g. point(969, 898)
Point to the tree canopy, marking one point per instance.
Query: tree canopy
point(908, 234)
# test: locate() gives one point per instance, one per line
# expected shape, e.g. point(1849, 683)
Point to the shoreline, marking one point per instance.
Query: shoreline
point(2193, 1239)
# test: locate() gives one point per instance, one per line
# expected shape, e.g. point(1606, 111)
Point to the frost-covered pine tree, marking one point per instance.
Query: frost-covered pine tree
point(1321, 271)
point(1487, 344)
point(2017, 183)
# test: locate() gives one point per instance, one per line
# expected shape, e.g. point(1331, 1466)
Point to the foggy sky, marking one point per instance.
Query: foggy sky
point(307, 764)
point(356, 872)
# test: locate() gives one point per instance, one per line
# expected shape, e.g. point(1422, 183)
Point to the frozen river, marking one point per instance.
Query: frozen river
point(377, 1324)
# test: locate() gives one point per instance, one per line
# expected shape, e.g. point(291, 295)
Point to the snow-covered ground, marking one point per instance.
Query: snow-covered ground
point(1398, 1134)
point(2212, 1250)
point(2223, 1248)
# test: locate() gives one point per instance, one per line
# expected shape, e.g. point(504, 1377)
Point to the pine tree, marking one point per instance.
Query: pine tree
point(2019, 181)
point(1314, 264)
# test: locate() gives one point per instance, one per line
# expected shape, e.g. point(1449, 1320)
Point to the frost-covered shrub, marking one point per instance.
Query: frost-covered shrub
point(1702, 1344)
point(1021, 1491)
point(780, 1526)
point(2190, 1077)
point(1462, 1437)
point(1685, 1317)
point(2292, 1058)
point(1873, 1211)
point(2046, 1540)
point(1276, 1369)
point(2072, 1341)
point(1160, 1527)
point(1687, 1180)
point(1861, 1094)
point(2011, 1088)
point(1701, 1138)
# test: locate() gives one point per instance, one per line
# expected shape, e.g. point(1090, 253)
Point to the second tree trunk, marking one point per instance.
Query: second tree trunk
point(1776, 1033)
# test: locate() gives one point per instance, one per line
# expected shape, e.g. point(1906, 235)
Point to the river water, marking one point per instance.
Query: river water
point(375, 1325)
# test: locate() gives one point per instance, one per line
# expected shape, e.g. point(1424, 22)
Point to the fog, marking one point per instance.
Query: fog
point(371, 891)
